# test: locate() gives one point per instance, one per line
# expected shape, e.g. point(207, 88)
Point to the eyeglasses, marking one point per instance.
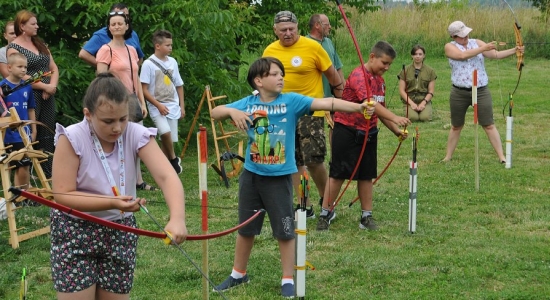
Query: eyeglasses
point(324, 24)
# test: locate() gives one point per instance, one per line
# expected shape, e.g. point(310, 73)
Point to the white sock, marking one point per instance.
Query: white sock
point(324, 212)
point(287, 280)
point(367, 213)
point(236, 274)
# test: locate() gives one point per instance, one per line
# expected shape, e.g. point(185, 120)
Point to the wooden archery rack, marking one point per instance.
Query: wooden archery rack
point(36, 156)
point(218, 132)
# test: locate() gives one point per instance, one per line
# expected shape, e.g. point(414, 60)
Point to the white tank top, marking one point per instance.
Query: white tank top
point(461, 70)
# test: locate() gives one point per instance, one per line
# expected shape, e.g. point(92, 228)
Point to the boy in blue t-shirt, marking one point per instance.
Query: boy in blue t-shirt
point(269, 118)
point(24, 104)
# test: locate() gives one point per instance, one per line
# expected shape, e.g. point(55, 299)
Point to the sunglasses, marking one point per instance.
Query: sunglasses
point(114, 13)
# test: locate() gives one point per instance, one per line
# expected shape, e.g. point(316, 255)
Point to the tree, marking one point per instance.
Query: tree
point(210, 38)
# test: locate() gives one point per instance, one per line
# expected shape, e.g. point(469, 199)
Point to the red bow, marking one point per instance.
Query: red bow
point(137, 231)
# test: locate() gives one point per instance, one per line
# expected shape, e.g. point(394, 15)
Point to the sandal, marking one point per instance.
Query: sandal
point(145, 187)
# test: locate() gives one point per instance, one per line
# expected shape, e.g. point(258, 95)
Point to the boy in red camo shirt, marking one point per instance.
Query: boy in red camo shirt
point(350, 130)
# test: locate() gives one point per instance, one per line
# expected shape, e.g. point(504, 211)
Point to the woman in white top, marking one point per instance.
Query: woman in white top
point(466, 55)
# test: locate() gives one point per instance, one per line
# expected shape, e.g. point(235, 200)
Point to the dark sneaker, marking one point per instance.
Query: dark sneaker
point(368, 223)
point(231, 282)
point(324, 221)
point(287, 290)
point(310, 214)
point(176, 164)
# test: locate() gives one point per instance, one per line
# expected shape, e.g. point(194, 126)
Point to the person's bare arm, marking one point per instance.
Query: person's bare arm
point(87, 57)
point(452, 51)
point(335, 80)
point(181, 97)
point(4, 70)
point(170, 184)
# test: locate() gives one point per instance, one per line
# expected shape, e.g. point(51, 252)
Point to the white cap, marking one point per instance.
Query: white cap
point(457, 28)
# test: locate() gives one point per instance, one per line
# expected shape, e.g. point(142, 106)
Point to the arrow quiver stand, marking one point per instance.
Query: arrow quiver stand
point(219, 134)
point(36, 156)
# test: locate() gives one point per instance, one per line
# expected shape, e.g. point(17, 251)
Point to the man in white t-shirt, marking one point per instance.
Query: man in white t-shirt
point(163, 90)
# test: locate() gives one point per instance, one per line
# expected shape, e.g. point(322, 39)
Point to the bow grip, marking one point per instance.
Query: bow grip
point(168, 239)
point(402, 138)
point(369, 103)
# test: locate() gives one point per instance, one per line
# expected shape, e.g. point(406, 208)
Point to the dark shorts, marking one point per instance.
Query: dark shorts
point(461, 99)
point(85, 253)
point(311, 147)
point(347, 143)
point(25, 162)
point(272, 193)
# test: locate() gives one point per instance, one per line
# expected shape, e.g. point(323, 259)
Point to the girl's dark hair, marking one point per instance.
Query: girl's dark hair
point(128, 32)
point(416, 48)
point(105, 87)
point(23, 17)
point(261, 68)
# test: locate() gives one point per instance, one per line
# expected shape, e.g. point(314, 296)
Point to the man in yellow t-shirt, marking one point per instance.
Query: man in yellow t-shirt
point(305, 62)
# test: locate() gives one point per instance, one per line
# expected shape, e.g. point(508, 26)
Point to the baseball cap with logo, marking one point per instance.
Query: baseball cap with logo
point(457, 28)
point(285, 16)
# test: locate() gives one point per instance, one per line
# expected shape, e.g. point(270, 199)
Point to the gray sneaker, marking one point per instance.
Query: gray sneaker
point(368, 223)
point(231, 282)
point(324, 221)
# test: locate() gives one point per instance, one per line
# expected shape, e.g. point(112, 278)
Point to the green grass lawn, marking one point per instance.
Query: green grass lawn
point(491, 244)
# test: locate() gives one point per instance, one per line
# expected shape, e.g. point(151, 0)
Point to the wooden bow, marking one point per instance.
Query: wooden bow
point(519, 44)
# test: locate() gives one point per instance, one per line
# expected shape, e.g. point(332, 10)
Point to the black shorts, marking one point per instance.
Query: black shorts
point(25, 162)
point(272, 193)
point(347, 143)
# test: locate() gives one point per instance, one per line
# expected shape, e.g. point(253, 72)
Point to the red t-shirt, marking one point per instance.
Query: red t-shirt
point(356, 91)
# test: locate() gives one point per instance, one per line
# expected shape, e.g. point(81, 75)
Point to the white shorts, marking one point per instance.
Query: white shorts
point(165, 125)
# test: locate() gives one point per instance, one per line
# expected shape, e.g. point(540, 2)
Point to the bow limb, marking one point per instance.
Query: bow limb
point(369, 96)
point(398, 145)
point(113, 225)
point(519, 43)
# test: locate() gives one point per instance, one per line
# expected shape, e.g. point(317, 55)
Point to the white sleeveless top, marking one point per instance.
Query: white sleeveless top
point(461, 70)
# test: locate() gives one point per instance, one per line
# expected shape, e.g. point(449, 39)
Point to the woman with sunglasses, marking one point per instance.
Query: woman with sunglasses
point(100, 38)
point(122, 61)
point(39, 59)
point(416, 87)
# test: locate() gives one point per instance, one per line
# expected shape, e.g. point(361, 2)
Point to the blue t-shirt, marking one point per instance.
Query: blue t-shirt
point(22, 100)
point(101, 38)
point(271, 140)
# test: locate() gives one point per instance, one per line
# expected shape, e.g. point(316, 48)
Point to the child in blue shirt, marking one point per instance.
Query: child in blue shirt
point(269, 119)
point(24, 104)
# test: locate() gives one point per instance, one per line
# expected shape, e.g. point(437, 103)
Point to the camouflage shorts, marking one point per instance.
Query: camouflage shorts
point(311, 147)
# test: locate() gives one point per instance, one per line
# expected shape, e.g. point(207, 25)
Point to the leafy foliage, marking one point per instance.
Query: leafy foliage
point(210, 38)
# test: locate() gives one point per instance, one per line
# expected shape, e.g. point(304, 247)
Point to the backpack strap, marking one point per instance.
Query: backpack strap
point(163, 70)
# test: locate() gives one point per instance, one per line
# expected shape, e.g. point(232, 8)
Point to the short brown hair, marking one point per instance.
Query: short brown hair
point(261, 68)
point(160, 35)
